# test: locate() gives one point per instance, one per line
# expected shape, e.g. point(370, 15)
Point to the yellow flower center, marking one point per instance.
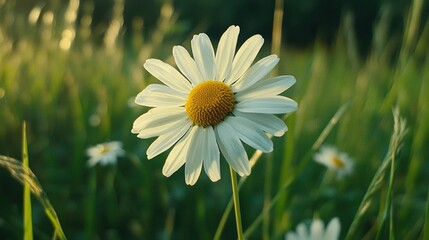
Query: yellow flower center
point(209, 103)
point(338, 162)
point(104, 149)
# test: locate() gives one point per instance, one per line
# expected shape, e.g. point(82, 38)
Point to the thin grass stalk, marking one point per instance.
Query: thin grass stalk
point(419, 143)
point(267, 197)
point(277, 27)
point(332, 122)
point(390, 197)
point(397, 137)
point(286, 169)
point(266, 210)
point(25, 176)
point(322, 137)
point(275, 49)
point(411, 32)
point(223, 220)
point(166, 20)
point(390, 192)
point(426, 225)
point(409, 42)
point(28, 222)
point(388, 209)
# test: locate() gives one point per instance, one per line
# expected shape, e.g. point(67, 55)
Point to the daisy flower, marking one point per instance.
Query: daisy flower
point(317, 231)
point(104, 153)
point(211, 103)
point(334, 160)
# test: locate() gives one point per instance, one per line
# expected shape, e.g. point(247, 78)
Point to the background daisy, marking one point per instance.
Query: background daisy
point(317, 231)
point(337, 161)
point(104, 153)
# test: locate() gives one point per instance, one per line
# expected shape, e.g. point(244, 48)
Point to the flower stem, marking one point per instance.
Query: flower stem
point(236, 204)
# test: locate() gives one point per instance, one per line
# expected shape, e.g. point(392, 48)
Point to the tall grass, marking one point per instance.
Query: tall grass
point(24, 175)
point(379, 179)
point(75, 88)
point(28, 221)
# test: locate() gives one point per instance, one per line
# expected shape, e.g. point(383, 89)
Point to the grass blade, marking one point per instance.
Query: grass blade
point(399, 132)
point(426, 226)
point(25, 176)
point(388, 210)
point(28, 222)
point(266, 210)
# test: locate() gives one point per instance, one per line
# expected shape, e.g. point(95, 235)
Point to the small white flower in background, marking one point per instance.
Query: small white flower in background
point(317, 231)
point(333, 159)
point(216, 101)
point(104, 153)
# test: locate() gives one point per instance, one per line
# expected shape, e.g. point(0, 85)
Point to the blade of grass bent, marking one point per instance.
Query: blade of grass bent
point(399, 132)
point(388, 209)
point(25, 176)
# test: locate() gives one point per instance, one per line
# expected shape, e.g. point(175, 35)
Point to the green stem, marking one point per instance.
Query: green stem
point(236, 204)
point(253, 160)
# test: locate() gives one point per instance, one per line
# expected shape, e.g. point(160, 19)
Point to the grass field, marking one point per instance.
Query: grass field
point(75, 92)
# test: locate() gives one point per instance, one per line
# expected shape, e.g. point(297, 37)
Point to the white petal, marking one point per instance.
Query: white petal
point(158, 118)
point(93, 151)
point(211, 160)
point(157, 95)
point(316, 230)
point(168, 75)
point(195, 157)
point(333, 230)
point(109, 159)
point(325, 156)
point(249, 133)
point(164, 142)
point(187, 65)
point(266, 122)
point(292, 236)
point(266, 87)
point(225, 52)
point(244, 58)
point(159, 130)
point(93, 161)
point(232, 148)
point(272, 105)
point(302, 232)
point(178, 154)
point(138, 124)
point(256, 73)
point(203, 52)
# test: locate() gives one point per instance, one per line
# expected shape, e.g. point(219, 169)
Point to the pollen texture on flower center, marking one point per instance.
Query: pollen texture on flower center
point(209, 103)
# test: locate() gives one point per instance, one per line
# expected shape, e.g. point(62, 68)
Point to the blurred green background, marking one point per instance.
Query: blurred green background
point(71, 70)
